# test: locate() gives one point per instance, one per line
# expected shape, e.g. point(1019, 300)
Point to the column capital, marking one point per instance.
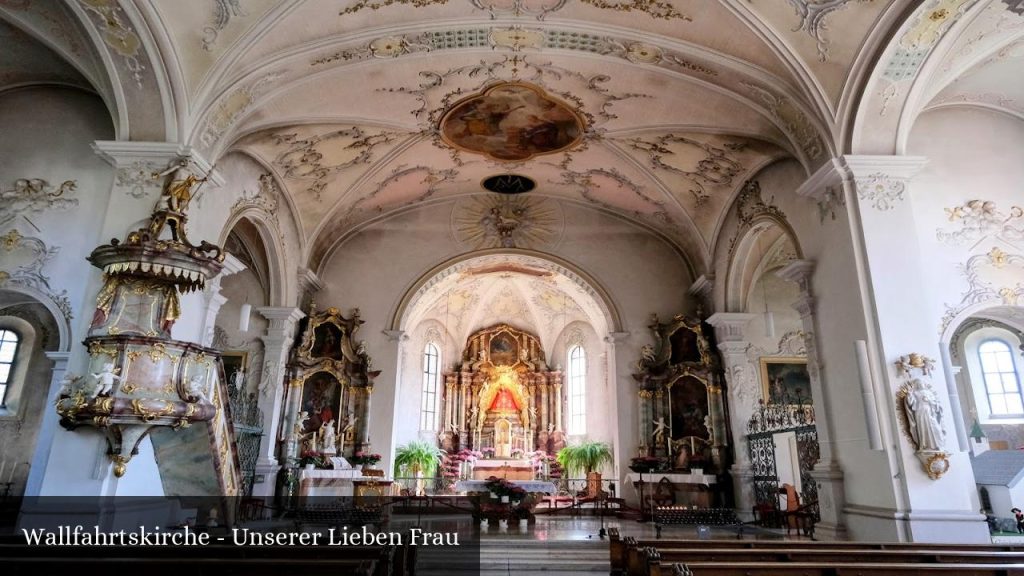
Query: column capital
point(730, 326)
point(282, 318)
point(702, 286)
point(58, 357)
point(616, 337)
point(734, 348)
point(232, 265)
point(798, 271)
point(308, 280)
point(136, 160)
point(881, 180)
point(395, 335)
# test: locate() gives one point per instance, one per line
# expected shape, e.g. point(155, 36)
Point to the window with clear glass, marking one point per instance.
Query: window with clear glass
point(577, 390)
point(8, 349)
point(1001, 381)
point(431, 375)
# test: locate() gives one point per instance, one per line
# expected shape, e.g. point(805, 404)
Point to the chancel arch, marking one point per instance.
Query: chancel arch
point(504, 324)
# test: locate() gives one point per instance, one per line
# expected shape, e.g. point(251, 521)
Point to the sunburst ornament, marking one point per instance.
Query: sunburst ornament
point(507, 222)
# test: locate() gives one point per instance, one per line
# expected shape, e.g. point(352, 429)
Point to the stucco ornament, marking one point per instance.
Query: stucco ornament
point(920, 413)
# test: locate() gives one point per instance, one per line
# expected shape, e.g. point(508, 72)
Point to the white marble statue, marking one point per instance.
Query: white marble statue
point(659, 431)
point(105, 379)
point(69, 384)
point(329, 438)
point(924, 417)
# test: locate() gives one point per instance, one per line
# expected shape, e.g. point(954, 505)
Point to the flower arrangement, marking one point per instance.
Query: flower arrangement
point(363, 459)
point(517, 453)
point(502, 487)
point(488, 453)
point(467, 455)
point(452, 466)
point(317, 459)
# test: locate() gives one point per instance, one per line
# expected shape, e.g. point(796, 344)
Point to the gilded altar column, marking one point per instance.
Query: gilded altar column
point(544, 403)
point(277, 342)
point(557, 393)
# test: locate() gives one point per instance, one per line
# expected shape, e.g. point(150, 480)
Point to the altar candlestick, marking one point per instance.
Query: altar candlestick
point(10, 478)
point(3, 466)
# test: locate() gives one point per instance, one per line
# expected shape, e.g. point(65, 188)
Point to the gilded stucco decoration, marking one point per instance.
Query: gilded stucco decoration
point(536, 8)
point(881, 190)
point(223, 12)
point(231, 107)
point(508, 222)
point(717, 167)
point(931, 21)
point(117, 33)
point(921, 414)
point(24, 258)
point(660, 10)
point(813, 15)
point(35, 195)
point(791, 118)
point(977, 221)
point(265, 199)
point(995, 277)
point(383, 47)
point(304, 159)
point(361, 5)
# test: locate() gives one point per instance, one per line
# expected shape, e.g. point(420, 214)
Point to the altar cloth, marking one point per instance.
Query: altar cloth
point(528, 485)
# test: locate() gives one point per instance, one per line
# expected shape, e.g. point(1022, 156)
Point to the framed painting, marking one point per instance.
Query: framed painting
point(688, 399)
point(785, 381)
point(321, 400)
point(235, 364)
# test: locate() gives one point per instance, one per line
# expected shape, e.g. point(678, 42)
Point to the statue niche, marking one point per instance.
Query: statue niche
point(503, 397)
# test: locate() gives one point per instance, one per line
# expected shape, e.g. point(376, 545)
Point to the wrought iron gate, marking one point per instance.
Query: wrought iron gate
point(762, 428)
point(247, 420)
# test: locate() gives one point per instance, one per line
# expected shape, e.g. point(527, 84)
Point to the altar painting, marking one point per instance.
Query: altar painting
point(321, 399)
point(503, 350)
point(326, 342)
point(689, 408)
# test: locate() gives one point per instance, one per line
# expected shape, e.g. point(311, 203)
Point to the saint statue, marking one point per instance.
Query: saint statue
point(178, 189)
point(924, 417)
point(328, 437)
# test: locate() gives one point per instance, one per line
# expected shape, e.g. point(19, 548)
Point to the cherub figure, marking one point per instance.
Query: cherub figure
point(659, 431)
point(196, 388)
point(105, 380)
point(69, 384)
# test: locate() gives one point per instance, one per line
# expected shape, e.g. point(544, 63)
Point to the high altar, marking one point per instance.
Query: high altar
point(505, 398)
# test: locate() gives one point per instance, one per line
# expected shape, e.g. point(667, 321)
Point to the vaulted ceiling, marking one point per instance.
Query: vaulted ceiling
point(682, 100)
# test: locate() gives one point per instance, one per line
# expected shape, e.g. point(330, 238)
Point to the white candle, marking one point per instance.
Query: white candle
point(11, 477)
point(3, 466)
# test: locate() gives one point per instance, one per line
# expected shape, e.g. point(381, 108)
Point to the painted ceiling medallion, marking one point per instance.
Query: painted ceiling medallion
point(511, 121)
point(508, 184)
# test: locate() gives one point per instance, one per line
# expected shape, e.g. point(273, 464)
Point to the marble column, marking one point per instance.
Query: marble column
point(827, 472)
point(48, 424)
point(743, 394)
point(277, 342)
point(213, 299)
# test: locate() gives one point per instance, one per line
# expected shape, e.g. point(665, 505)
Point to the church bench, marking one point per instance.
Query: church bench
point(835, 569)
point(36, 566)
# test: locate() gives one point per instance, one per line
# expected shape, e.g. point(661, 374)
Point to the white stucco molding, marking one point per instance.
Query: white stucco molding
point(827, 175)
point(881, 181)
point(616, 337)
point(282, 318)
point(126, 154)
point(308, 280)
point(730, 326)
point(395, 335)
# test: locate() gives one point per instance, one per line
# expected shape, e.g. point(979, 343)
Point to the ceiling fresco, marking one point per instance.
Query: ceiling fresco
point(654, 110)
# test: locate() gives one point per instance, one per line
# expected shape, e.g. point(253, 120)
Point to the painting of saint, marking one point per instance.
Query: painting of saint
point(326, 342)
point(503, 350)
point(321, 398)
point(785, 381)
point(511, 121)
point(689, 398)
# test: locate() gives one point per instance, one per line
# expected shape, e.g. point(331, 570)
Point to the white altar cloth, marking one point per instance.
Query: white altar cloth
point(319, 482)
point(528, 485)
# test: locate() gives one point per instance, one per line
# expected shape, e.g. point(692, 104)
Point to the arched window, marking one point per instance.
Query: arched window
point(1001, 382)
point(577, 390)
point(8, 349)
point(431, 374)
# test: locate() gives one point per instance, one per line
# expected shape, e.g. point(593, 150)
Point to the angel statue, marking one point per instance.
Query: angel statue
point(647, 358)
point(328, 437)
point(68, 384)
point(659, 431)
point(105, 378)
point(196, 388)
point(924, 417)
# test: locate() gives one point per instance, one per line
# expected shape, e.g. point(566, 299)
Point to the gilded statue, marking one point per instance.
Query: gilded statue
point(178, 189)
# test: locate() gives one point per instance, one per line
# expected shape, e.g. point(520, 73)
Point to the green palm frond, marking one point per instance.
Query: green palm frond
point(585, 458)
point(417, 455)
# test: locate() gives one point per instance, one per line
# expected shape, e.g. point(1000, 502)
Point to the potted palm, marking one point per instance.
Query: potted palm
point(419, 459)
point(586, 458)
